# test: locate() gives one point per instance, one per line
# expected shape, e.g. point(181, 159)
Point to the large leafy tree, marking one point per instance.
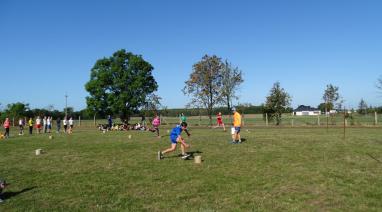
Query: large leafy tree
point(330, 96)
point(362, 107)
point(231, 80)
point(205, 84)
point(120, 84)
point(277, 102)
point(16, 110)
point(152, 105)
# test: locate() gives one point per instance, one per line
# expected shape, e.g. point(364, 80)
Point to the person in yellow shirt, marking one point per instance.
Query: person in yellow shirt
point(30, 124)
point(237, 127)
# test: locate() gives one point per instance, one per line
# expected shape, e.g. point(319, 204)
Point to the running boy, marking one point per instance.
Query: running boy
point(175, 137)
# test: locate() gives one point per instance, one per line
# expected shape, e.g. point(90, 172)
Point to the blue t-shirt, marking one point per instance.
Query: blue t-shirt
point(176, 131)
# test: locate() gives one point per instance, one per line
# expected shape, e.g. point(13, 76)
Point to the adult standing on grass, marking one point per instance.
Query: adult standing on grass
point(7, 125)
point(30, 124)
point(110, 122)
point(58, 123)
point(65, 123)
point(237, 125)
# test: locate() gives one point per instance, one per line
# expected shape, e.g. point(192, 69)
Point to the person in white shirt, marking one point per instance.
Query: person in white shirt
point(65, 123)
point(21, 126)
point(44, 124)
point(49, 123)
point(71, 122)
point(38, 124)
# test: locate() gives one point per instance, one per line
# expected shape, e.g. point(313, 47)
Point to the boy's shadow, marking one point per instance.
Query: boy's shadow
point(9, 194)
point(243, 140)
point(190, 153)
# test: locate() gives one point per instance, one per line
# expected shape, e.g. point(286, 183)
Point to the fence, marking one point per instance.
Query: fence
point(255, 120)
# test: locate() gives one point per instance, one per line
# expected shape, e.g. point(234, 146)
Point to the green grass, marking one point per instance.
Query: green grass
point(274, 169)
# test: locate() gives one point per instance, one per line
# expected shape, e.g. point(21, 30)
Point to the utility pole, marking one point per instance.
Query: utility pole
point(66, 104)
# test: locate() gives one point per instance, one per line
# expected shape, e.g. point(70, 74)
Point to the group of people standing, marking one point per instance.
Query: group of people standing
point(43, 125)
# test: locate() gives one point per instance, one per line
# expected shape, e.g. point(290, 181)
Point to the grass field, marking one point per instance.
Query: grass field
point(278, 169)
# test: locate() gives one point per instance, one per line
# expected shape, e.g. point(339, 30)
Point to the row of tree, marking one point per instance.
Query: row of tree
point(123, 84)
point(22, 110)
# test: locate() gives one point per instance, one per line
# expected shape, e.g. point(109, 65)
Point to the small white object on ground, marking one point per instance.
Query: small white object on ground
point(38, 151)
point(198, 159)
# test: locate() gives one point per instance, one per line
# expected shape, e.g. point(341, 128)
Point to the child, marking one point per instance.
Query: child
point(220, 121)
point(49, 123)
point(65, 123)
point(175, 137)
point(71, 125)
point(21, 126)
point(30, 124)
point(38, 124)
point(45, 125)
point(7, 125)
point(58, 123)
point(3, 184)
point(156, 123)
point(182, 118)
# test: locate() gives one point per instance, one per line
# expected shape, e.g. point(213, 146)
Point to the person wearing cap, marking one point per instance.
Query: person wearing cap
point(237, 126)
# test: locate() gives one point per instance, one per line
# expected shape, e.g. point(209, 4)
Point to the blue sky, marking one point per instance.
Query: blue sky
point(48, 47)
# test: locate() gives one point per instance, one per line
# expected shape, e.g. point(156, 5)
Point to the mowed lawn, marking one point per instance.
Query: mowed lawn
point(274, 169)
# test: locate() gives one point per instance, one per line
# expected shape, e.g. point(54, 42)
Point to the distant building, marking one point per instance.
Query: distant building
point(303, 110)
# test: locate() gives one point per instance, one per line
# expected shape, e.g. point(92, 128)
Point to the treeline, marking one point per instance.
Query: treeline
point(22, 110)
point(244, 109)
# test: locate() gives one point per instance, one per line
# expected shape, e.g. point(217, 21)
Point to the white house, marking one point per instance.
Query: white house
point(303, 110)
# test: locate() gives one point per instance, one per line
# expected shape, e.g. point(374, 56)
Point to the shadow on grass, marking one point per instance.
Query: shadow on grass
point(190, 153)
point(373, 158)
point(8, 195)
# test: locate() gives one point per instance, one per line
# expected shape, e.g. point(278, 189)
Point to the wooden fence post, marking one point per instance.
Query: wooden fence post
point(318, 120)
point(94, 120)
point(292, 122)
point(79, 120)
point(375, 118)
point(266, 119)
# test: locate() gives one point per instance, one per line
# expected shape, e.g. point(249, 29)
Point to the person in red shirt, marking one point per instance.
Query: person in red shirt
point(7, 124)
point(219, 120)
